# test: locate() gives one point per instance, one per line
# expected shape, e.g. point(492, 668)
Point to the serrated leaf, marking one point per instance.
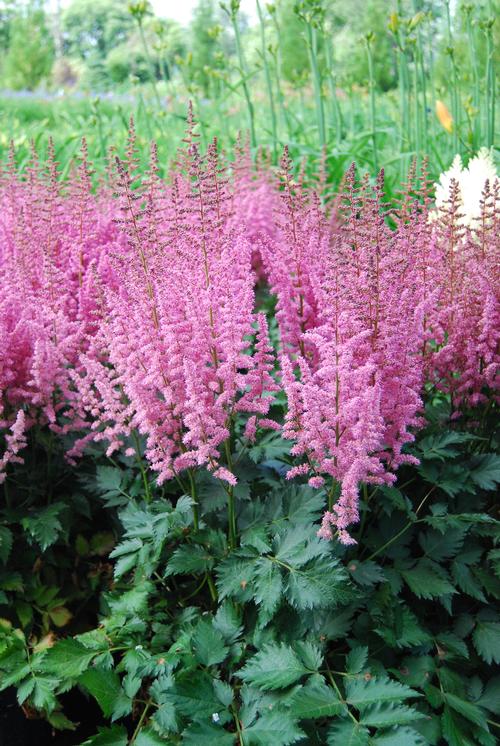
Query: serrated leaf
point(386, 715)
point(309, 653)
point(465, 580)
point(228, 621)
point(452, 730)
point(466, 709)
point(485, 471)
point(490, 698)
point(276, 666)
point(441, 446)
point(25, 689)
point(486, 639)
point(68, 659)
point(268, 586)
point(165, 718)
point(6, 539)
point(405, 630)
point(105, 687)
point(42, 696)
point(366, 573)
point(148, 737)
point(347, 733)
point(189, 559)
point(275, 727)
point(44, 526)
point(208, 645)
point(223, 692)
point(195, 694)
point(427, 580)
point(315, 700)
point(362, 692)
point(439, 547)
point(398, 737)
point(356, 659)
point(205, 733)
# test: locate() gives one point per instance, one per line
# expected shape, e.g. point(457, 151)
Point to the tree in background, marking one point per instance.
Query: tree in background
point(30, 52)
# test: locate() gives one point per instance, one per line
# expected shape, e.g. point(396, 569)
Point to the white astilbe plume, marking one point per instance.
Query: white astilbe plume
point(471, 182)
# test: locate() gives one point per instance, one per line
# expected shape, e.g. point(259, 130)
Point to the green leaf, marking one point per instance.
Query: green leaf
point(362, 692)
point(486, 639)
point(399, 737)
point(309, 653)
point(42, 696)
point(68, 659)
point(427, 580)
point(228, 621)
point(385, 715)
point(485, 470)
point(206, 734)
point(59, 721)
point(452, 730)
point(114, 736)
point(405, 630)
point(105, 687)
point(366, 573)
point(275, 727)
point(315, 700)
point(466, 581)
point(223, 692)
point(466, 709)
point(25, 689)
point(208, 645)
point(189, 559)
point(439, 547)
point(148, 737)
point(356, 659)
point(276, 666)
point(441, 446)
point(165, 718)
point(347, 733)
point(6, 539)
point(195, 695)
point(490, 699)
point(44, 526)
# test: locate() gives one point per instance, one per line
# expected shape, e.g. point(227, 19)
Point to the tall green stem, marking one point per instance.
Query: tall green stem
point(476, 96)
point(368, 40)
point(454, 92)
point(194, 495)
point(231, 507)
point(243, 70)
point(332, 87)
point(312, 45)
point(269, 83)
point(490, 85)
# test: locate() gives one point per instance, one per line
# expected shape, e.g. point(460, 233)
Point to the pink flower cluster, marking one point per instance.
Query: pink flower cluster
point(131, 308)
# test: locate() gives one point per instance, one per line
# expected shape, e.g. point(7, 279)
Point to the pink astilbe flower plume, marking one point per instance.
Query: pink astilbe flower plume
point(51, 239)
point(178, 321)
point(357, 397)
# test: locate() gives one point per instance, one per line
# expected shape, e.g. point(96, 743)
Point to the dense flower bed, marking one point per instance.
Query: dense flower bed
point(132, 308)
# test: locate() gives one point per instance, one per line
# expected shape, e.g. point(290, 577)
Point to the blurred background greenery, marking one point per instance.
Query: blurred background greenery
point(359, 80)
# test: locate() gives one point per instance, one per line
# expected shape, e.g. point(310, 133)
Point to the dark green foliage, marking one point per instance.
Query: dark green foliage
point(286, 639)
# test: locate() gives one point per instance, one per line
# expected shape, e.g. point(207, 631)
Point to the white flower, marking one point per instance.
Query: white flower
point(471, 181)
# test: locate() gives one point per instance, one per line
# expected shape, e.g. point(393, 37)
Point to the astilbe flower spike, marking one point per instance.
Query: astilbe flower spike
point(355, 400)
